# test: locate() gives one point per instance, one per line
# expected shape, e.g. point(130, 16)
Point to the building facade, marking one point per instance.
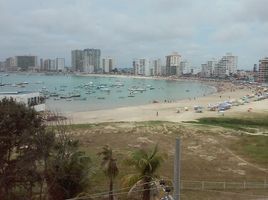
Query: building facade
point(185, 66)
point(25, 63)
point(107, 65)
point(11, 64)
point(141, 67)
point(91, 60)
point(173, 64)
point(77, 60)
point(157, 67)
point(263, 70)
point(60, 64)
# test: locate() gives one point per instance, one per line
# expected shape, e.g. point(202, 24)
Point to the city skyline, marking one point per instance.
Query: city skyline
point(198, 30)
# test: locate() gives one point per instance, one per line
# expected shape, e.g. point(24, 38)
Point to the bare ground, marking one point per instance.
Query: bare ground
point(207, 154)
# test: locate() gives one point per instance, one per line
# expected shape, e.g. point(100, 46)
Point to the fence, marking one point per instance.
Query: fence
point(209, 185)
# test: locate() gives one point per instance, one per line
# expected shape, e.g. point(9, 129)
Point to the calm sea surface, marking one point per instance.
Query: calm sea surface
point(99, 93)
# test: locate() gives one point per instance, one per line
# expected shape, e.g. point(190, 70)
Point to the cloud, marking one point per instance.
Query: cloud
point(232, 33)
point(126, 29)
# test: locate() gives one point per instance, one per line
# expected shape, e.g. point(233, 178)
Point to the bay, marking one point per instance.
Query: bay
point(98, 93)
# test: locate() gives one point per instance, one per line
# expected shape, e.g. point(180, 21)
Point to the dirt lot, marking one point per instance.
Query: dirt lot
point(209, 153)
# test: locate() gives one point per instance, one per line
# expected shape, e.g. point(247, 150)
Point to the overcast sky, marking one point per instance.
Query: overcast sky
point(125, 29)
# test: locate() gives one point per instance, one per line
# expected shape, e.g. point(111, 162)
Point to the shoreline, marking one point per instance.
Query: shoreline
point(169, 111)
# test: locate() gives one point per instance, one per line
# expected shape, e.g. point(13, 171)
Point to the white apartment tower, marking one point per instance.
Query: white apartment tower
point(156, 67)
point(185, 66)
point(60, 64)
point(173, 64)
point(107, 65)
point(141, 67)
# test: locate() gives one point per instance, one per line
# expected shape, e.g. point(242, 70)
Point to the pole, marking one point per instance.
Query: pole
point(177, 171)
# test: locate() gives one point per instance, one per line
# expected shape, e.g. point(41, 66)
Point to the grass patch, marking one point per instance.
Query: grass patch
point(244, 123)
point(256, 147)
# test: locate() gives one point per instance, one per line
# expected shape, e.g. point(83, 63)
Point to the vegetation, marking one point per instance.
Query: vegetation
point(244, 123)
point(21, 149)
point(38, 162)
point(256, 147)
point(109, 166)
point(47, 162)
point(146, 163)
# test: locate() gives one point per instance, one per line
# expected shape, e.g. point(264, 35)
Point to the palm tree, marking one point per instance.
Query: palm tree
point(146, 163)
point(109, 167)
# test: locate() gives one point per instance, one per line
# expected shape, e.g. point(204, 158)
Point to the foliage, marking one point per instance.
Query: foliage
point(36, 160)
point(21, 132)
point(69, 168)
point(109, 166)
point(146, 163)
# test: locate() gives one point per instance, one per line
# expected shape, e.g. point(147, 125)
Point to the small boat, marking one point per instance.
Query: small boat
point(131, 95)
point(54, 94)
point(80, 99)
point(100, 97)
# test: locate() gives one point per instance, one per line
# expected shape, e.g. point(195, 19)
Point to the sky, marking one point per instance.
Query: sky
point(126, 29)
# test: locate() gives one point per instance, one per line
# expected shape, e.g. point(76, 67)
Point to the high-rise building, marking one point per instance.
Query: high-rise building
point(49, 65)
point(255, 68)
point(26, 62)
point(107, 65)
point(173, 64)
point(60, 64)
point(42, 64)
point(91, 60)
point(157, 67)
point(226, 66)
point(208, 69)
point(141, 67)
point(263, 70)
point(11, 64)
point(2, 66)
point(77, 60)
point(185, 66)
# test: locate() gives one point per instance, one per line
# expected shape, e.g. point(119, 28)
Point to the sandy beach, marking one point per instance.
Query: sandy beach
point(169, 111)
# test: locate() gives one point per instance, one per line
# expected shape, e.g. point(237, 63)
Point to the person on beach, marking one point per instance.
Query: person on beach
point(157, 113)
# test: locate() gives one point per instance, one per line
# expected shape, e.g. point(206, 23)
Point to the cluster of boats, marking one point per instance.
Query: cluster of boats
point(101, 90)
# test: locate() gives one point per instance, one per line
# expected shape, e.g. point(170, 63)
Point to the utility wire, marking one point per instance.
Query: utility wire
point(96, 195)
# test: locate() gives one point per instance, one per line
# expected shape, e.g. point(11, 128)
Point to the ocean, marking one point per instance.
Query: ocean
point(98, 93)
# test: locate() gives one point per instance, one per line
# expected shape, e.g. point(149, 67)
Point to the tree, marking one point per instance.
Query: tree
point(109, 167)
point(68, 168)
point(145, 162)
point(20, 153)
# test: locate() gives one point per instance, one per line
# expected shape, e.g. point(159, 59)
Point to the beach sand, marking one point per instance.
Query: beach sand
point(169, 111)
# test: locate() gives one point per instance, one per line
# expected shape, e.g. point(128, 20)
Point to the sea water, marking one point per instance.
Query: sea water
point(99, 93)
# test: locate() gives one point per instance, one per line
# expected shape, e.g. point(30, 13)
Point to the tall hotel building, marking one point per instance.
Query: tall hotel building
point(263, 70)
point(173, 64)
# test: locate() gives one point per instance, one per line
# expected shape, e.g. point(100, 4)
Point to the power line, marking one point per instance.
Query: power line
point(96, 195)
